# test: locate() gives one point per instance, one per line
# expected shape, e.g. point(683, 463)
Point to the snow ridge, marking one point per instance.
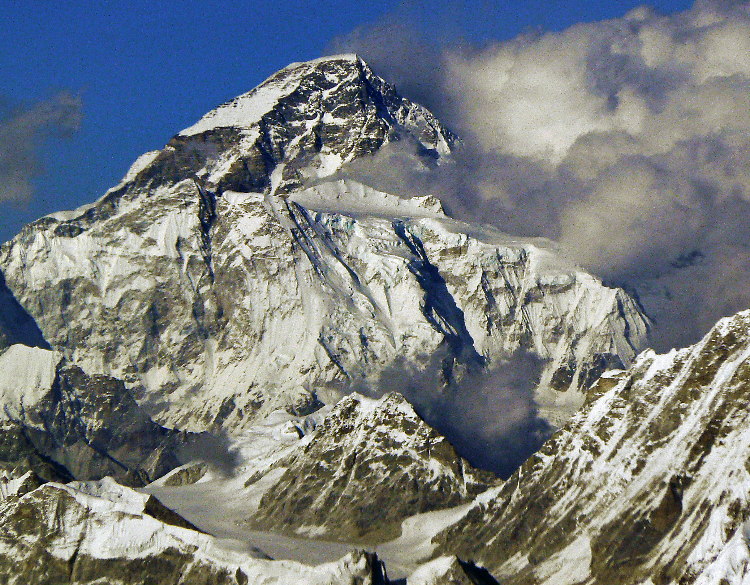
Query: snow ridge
point(101, 530)
point(648, 481)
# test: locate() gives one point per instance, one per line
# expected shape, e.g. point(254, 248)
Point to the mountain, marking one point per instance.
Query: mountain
point(647, 484)
point(97, 532)
point(230, 274)
point(307, 488)
point(61, 423)
point(283, 349)
point(340, 483)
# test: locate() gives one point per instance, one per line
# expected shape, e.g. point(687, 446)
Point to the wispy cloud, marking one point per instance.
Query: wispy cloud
point(487, 413)
point(22, 132)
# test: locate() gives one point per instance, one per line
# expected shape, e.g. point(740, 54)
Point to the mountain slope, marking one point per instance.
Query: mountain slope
point(193, 278)
point(340, 483)
point(234, 279)
point(99, 532)
point(649, 483)
point(304, 487)
point(62, 424)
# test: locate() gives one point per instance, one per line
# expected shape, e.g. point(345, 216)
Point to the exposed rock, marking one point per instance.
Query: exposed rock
point(228, 276)
point(14, 485)
point(185, 474)
point(366, 467)
point(19, 455)
point(61, 423)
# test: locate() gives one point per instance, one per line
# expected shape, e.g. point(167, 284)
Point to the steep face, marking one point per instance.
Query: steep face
point(350, 290)
point(647, 484)
point(492, 295)
point(305, 122)
point(61, 423)
point(100, 531)
point(220, 290)
point(340, 483)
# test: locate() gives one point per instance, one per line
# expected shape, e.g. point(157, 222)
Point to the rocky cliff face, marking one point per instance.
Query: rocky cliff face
point(341, 480)
point(225, 277)
point(61, 423)
point(648, 483)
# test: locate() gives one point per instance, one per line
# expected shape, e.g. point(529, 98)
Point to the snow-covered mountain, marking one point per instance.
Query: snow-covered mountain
point(340, 483)
point(101, 532)
point(349, 473)
point(646, 484)
point(230, 274)
point(61, 423)
point(239, 281)
point(649, 483)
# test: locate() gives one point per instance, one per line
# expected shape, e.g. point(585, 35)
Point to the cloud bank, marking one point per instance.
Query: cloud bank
point(488, 413)
point(23, 132)
point(627, 141)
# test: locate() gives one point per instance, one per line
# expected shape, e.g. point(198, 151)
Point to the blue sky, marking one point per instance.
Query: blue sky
point(147, 69)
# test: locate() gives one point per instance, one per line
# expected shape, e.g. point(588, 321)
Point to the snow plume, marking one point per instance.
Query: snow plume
point(626, 140)
point(22, 132)
point(487, 413)
point(216, 449)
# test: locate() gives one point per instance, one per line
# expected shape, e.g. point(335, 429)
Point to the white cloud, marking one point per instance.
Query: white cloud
point(627, 140)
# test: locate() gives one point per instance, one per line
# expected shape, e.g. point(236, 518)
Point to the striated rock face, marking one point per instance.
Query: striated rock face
point(226, 277)
point(61, 423)
point(368, 465)
point(100, 532)
point(648, 483)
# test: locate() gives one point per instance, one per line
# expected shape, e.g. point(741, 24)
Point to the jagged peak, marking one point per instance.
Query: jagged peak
point(391, 402)
point(248, 108)
point(300, 125)
point(451, 569)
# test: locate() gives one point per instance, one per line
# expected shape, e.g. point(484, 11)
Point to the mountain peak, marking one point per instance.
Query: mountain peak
point(302, 123)
point(353, 58)
point(246, 236)
point(248, 109)
point(342, 479)
point(307, 86)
